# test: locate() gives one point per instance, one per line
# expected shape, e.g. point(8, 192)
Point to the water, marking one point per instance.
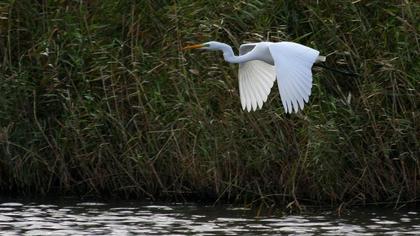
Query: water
point(131, 218)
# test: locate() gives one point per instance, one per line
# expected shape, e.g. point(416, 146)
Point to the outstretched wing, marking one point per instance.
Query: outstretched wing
point(293, 63)
point(256, 78)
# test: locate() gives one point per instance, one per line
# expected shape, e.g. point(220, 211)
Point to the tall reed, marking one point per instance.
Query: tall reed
point(98, 99)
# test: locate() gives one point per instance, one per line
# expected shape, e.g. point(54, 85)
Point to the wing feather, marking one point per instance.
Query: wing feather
point(266, 80)
point(251, 90)
point(242, 95)
point(293, 63)
point(256, 78)
point(302, 86)
point(299, 94)
point(260, 88)
point(292, 92)
point(246, 92)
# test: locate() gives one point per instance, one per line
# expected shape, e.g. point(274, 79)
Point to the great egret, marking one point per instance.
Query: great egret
point(260, 64)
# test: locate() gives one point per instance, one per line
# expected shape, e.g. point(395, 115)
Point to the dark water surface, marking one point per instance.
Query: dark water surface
point(131, 218)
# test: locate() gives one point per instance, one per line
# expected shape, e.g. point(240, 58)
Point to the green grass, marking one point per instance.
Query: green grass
point(98, 99)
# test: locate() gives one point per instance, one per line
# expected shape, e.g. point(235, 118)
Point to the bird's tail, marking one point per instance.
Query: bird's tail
point(321, 59)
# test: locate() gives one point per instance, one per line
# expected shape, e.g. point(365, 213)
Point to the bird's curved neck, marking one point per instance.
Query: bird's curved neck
point(230, 56)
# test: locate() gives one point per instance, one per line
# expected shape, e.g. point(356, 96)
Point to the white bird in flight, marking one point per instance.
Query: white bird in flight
point(261, 63)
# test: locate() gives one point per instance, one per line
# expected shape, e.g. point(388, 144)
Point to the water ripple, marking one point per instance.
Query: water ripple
point(96, 218)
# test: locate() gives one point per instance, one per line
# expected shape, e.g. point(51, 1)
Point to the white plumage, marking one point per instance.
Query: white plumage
point(261, 63)
point(293, 64)
point(255, 81)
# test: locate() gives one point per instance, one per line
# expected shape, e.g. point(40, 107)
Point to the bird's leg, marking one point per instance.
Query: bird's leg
point(320, 63)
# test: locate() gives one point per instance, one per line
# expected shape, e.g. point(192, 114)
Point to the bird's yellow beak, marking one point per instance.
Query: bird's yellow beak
point(195, 46)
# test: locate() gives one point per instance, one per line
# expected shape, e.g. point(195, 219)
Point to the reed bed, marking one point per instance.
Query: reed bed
point(97, 99)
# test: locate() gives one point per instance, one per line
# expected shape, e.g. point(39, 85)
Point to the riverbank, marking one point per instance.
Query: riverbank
point(98, 99)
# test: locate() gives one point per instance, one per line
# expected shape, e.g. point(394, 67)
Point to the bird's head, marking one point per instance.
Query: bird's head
point(212, 46)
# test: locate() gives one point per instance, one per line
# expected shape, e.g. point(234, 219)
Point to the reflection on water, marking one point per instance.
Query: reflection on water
point(89, 218)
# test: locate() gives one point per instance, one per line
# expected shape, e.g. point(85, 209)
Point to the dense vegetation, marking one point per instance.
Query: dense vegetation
point(96, 98)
